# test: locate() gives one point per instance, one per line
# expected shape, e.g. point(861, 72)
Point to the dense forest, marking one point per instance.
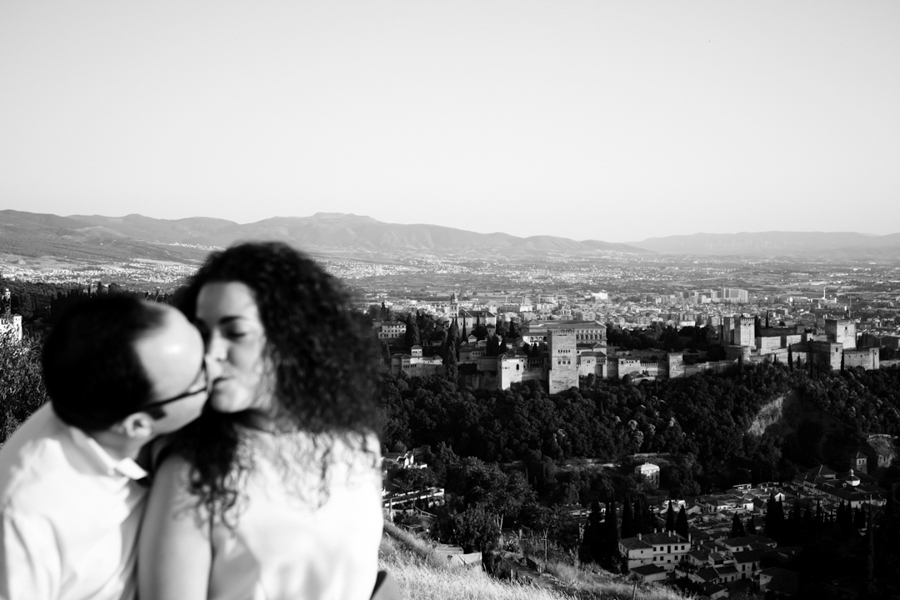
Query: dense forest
point(705, 419)
point(38, 302)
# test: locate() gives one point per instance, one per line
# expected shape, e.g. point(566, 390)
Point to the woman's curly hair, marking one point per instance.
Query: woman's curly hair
point(323, 358)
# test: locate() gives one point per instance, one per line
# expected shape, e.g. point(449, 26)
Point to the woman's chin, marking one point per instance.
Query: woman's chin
point(228, 403)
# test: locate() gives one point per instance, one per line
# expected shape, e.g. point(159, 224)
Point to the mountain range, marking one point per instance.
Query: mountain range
point(94, 237)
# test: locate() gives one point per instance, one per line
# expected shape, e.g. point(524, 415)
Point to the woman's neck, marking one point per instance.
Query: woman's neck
point(263, 421)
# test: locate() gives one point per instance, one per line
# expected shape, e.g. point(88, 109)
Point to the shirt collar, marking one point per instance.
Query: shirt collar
point(126, 467)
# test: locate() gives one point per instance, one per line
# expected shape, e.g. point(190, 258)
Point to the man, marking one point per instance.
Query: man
point(119, 372)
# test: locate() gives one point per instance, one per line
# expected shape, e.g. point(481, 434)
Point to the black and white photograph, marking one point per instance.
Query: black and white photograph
point(476, 300)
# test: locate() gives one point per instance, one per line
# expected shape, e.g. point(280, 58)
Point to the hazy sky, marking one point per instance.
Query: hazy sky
point(615, 121)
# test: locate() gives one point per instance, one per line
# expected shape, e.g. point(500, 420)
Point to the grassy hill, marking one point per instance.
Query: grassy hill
point(422, 575)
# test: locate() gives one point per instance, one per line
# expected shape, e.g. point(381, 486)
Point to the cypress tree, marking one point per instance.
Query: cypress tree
point(628, 529)
point(645, 523)
point(774, 518)
point(638, 516)
point(737, 528)
point(412, 332)
point(670, 518)
point(451, 367)
point(453, 330)
point(594, 536)
point(611, 536)
point(681, 524)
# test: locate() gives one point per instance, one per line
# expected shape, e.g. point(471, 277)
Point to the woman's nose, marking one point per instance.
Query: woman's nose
point(213, 368)
point(215, 348)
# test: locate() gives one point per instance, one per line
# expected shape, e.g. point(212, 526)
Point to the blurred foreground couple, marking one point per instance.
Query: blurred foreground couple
point(256, 429)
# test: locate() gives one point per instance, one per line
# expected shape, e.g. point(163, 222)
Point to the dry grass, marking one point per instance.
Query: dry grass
point(584, 583)
point(421, 575)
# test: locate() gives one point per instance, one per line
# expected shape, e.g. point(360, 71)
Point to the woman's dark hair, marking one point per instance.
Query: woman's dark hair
point(323, 359)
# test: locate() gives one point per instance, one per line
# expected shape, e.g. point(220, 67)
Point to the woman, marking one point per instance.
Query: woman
point(275, 492)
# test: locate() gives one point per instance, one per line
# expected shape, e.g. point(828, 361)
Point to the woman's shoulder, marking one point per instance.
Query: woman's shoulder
point(172, 469)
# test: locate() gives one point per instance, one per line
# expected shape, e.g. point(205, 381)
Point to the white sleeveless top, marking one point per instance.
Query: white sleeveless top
point(290, 543)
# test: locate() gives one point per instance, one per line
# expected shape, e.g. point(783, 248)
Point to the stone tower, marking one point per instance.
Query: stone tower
point(841, 331)
point(453, 311)
point(563, 360)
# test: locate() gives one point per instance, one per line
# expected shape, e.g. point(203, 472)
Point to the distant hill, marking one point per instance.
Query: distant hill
point(778, 243)
point(94, 236)
point(35, 235)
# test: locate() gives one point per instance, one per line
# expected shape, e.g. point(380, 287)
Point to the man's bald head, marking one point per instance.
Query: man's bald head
point(92, 371)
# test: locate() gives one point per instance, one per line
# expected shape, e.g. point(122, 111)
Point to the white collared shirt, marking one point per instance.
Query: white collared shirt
point(70, 515)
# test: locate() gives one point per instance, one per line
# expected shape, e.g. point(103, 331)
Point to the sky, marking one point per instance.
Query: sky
point(614, 121)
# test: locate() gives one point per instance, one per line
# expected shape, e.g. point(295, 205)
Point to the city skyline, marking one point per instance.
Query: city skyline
point(590, 121)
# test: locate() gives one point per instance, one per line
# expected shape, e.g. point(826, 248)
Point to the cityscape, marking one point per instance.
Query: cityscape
point(573, 323)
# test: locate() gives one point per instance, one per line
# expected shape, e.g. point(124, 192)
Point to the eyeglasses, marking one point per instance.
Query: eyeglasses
point(207, 388)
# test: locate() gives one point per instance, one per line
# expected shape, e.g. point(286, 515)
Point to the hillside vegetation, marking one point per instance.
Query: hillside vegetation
point(713, 422)
point(422, 575)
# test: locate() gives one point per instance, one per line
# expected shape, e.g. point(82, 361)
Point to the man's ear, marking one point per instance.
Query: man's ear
point(137, 425)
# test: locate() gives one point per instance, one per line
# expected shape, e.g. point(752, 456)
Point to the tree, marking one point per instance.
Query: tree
point(681, 524)
point(474, 530)
point(643, 516)
point(628, 526)
point(374, 312)
point(670, 518)
point(451, 368)
point(610, 554)
point(21, 386)
point(414, 480)
point(592, 543)
point(412, 332)
point(386, 313)
point(480, 331)
point(751, 526)
point(386, 353)
point(493, 345)
point(737, 527)
point(453, 332)
point(774, 518)
point(479, 482)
